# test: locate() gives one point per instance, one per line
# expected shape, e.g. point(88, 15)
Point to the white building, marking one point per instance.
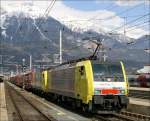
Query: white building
point(145, 70)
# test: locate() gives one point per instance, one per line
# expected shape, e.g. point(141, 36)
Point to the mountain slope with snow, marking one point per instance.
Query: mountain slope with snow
point(22, 30)
point(142, 43)
point(100, 21)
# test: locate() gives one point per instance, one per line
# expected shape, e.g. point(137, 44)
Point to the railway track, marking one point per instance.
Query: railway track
point(136, 116)
point(23, 106)
point(123, 116)
point(112, 117)
point(24, 109)
point(139, 94)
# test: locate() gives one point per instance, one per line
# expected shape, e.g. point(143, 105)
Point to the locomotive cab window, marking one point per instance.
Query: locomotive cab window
point(81, 70)
point(43, 76)
point(107, 72)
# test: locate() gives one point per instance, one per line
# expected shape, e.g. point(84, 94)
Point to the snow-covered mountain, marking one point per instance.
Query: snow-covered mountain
point(141, 43)
point(28, 11)
point(22, 33)
point(100, 21)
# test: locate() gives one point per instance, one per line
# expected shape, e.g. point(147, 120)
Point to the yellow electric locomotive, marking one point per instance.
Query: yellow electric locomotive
point(88, 84)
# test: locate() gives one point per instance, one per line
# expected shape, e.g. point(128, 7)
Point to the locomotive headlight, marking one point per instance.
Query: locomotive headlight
point(109, 79)
point(97, 92)
point(122, 91)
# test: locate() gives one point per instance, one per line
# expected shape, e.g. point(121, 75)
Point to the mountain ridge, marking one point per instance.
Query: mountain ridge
point(45, 39)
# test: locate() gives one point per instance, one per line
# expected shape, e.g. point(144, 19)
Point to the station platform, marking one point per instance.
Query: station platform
point(140, 93)
point(139, 89)
point(137, 105)
point(47, 108)
point(138, 101)
point(3, 107)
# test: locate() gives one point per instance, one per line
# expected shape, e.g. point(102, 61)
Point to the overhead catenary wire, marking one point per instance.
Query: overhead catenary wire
point(136, 28)
point(46, 13)
point(73, 48)
point(122, 12)
point(132, 21)
point(127, 26)
point(48, 10)
point(110, 6)
point(128, 29)
point(137, 24)
point(110, 17)
point(24, 22)
point(78, 46)
point(133, 16)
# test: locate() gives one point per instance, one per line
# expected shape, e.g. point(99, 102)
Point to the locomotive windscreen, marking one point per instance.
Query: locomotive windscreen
point(107, 72)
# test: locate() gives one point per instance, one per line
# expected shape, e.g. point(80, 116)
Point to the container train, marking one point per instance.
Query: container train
point(88, 84)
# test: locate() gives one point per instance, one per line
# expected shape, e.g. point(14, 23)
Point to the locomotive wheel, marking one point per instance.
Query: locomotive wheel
point(84, 108)
point(59, 100)
point(87, 107)
point(74, 105)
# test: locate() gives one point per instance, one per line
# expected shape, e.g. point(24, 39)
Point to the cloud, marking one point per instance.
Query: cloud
point(128, 2)
point(101, 1)
point(35, 8)
point(147, 2)
point(136, 33)
point(124, 2)
point(95, 20)
point(97, 1)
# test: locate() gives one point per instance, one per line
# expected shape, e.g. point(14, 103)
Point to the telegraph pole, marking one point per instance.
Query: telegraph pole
point(1, 47)
point(125, 28)
point(60, 49)
point(23, 70)
point(1, 63)
point(30, 62)
point(17, 69)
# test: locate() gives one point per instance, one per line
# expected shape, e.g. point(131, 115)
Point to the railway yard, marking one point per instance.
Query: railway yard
point(20, 105)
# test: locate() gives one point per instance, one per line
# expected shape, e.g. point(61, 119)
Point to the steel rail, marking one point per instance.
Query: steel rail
point(122, 116)
point(136, 115)
point(15, 106)
point(101, 118)
point(139, 94)
point(113, 117)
